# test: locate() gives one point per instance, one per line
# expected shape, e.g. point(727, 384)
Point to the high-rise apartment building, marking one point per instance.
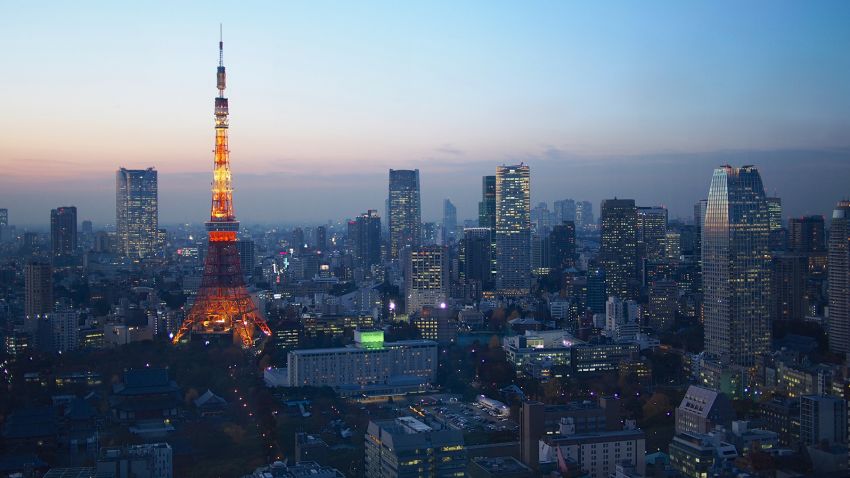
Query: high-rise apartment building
point(618, 250)
point(137, 212)
point(839, 279)
point(736, 267)
point(425, 277)
point(405, 211)
point(38, 288)
point(364, 233)
point(513, 229)
point(487, 206)
point(63, 231)
point(449, 222)
point(62, 327)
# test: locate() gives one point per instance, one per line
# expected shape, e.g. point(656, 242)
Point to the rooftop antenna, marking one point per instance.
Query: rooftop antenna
point(220, 45)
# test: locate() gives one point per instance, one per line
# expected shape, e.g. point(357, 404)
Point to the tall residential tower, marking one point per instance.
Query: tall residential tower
point(513, 229)
point(63, 231)
point(839, 279)
point(405, 211)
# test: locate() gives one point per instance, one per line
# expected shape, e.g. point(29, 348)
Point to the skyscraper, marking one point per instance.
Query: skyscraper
point(562, 245)
point(839, 279)
point(618, 249)
point(405, 211)
point(584, 214)
point(513, 228)
point(364, 232)
point(449, 221)
point(777, 239)
point(565, 210)
point(661, 309)
point(736, 267)
point(790, 273)
point(4, 217)
point(699, 220)
point(541, 219)
point(38, 290)
point(806, 236)
point(63, 231)
point(321, 238)
point(426, 277)
point(137, 212)
point(774, 212)
point(651, 232)
point(487, 206)
point(475, 260)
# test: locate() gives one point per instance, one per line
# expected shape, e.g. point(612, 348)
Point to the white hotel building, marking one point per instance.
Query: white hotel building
point(369, 368)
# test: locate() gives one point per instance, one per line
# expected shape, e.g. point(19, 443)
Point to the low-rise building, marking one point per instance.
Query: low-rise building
point(145, 394)
point(597, 453)
point(782, 416)
point(407, 447)
point(304, 469)
point(371, 367)
point(697, 455)
point(823, 419)
point(498, 467)
point(151, 460)
point(701, 410)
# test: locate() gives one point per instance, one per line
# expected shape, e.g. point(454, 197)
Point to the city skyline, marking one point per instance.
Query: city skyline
point(452, 99)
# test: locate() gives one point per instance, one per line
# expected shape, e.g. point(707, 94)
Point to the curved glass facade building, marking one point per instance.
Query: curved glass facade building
point(736, 267)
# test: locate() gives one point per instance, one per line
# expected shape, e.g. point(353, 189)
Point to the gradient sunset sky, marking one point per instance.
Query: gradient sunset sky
point(634, 99)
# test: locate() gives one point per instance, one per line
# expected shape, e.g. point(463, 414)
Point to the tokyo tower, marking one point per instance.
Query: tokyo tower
point(223, 305)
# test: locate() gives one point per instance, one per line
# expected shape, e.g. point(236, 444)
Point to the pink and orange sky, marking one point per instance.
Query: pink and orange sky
point(634, 100)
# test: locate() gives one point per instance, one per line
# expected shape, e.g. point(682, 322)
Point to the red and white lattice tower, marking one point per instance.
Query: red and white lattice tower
point(223, 305)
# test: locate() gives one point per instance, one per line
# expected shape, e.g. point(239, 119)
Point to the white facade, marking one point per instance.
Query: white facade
point(413, 360)
point(598, 453)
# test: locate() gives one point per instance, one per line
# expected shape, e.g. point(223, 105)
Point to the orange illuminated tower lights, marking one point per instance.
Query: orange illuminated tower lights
point(223, 305)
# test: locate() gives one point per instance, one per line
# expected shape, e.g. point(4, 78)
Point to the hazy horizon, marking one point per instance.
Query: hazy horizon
point(638, 101)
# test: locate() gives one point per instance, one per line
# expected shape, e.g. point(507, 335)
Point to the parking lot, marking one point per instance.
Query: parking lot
point(469, 418)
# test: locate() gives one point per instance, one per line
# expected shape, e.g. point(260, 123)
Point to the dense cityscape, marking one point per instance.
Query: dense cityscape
point(538, 339)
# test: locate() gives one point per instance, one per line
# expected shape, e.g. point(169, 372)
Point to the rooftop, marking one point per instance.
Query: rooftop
point(501, 464)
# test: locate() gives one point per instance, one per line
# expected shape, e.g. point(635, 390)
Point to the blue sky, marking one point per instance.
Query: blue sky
point(326, 96)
